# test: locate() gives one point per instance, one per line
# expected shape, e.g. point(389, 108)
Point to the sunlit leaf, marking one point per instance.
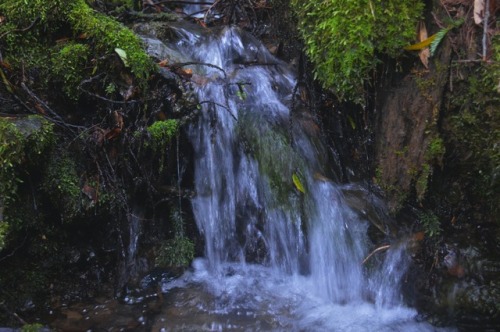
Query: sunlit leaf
point(298, 183)
point(123, 55)
point(421, 45)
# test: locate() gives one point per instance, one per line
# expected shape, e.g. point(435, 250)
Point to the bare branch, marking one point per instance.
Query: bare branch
point(384, 247)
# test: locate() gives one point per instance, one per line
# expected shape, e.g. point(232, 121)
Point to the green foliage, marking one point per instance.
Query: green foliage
point(474, 135)
point(433, 155)
point(62, 183)
point(90, 34)
point(22, 142)
point(160, 136)
point(435, 150)
point(69, 65)
point(31, 327)
point(175, 252)
point(431, 224)
point(4, 229)
point(108, 35)
point(161, 133)
point(441, 34)
point(343, 38)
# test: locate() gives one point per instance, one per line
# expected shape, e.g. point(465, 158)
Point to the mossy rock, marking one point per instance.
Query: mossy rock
point(23, 140)
point(176, 252)
point(343, 38)
point(271, 148)
point(67, 41)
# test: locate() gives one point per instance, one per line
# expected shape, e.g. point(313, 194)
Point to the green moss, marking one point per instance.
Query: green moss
point(161, 132)
point(91, 36)
point(108, 35)
point(422, 181)
point(272, 150)
point(343, 38)
point(176, 252)
point(32, 327)
point(62, 184)
point(160, 136)
point(69, 66)
point(435, 150)
point(4, 229)
point(22, 142)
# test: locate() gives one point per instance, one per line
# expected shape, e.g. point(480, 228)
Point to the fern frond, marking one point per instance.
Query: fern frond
point(437, 40)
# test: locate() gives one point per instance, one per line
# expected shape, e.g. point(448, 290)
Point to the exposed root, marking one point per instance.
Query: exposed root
point(384, 247)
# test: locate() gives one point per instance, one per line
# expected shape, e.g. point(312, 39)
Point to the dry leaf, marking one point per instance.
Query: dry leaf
point(118, 118)
point(90, 192)
point(184, 73)
point(478, 11)
point(163, 63)
point(425, 53)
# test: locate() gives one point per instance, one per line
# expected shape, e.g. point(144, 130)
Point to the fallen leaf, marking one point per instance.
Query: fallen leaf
point(117, 129)
point(298, 183)
point(163, 63)
point(123, 55)
point(478, 11)
point(90, 192)
point(184, 73)
point(419, 236)
point(425, 53)
point(421, 45)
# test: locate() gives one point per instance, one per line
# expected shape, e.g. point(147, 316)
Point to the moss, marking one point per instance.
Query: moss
point(32, 327)
point(91, 36)
point(62, 183)
point(4, 229)
point(272, 150)
point(176, 252)
point(108, 35)
point(69, 66)
point(343, 38)
point(435, 150)
point(160, 136)
point(161, 132)
point(473, 132)
point(22, 142)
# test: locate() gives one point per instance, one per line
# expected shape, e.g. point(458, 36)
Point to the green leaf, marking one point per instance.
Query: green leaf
point(298, 183)
point(123, 55)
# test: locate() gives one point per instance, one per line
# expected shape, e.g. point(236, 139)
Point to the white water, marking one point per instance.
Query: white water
point(308, 247)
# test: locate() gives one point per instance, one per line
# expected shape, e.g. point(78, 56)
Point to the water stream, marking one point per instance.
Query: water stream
point(283, 249)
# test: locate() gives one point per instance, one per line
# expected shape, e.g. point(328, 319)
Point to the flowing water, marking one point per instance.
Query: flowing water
point(283, 249)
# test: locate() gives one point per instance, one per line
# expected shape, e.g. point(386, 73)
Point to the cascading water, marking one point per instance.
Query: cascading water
point(283, 249)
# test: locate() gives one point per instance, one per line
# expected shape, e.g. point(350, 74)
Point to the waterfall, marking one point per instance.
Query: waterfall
point(279, 236)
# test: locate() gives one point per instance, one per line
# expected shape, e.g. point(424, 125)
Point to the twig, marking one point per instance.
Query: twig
point(384, 247)
point(89, 80)
point(468, 60)
point(15, 249)
point(209, 9)
point(41, 102)
point(23, 29)
point(183, 64)
point(56, 118)
point(485, 29)
point(22, 321)
point(223, 106)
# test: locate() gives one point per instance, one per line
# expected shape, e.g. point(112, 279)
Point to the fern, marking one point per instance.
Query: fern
point(441, 33)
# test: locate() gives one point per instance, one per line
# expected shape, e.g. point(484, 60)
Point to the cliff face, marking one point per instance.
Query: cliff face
point(437, 159)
